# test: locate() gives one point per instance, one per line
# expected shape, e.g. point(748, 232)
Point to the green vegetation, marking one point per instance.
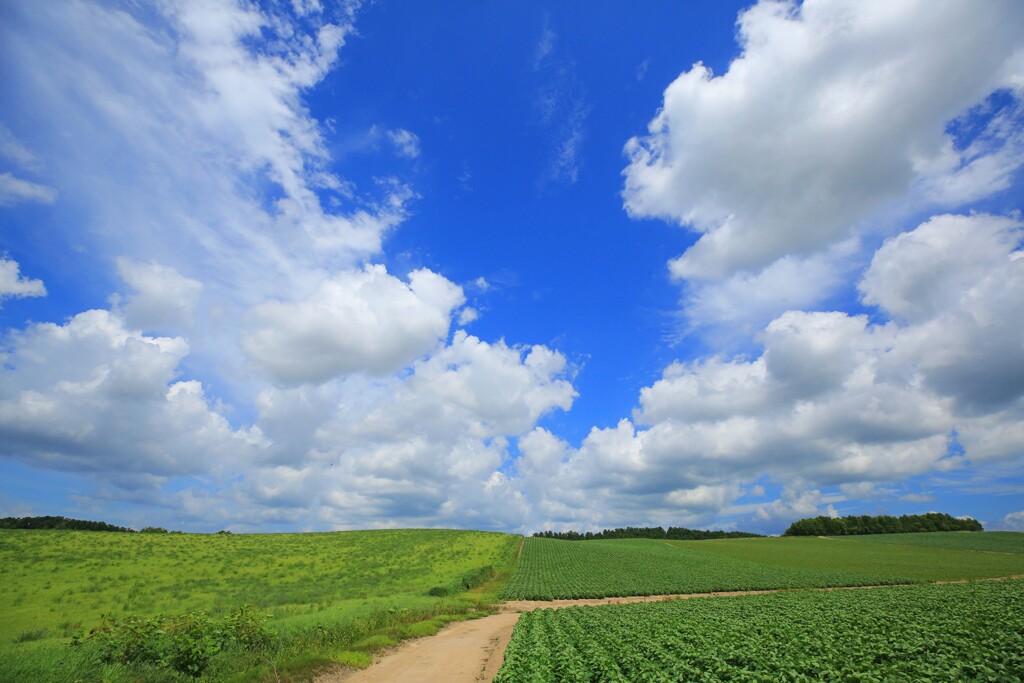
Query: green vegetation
point(915, 562)
point(990, 541)
point(908, 633)
point(883, 524)
point(678, 533)
point(550, 569)
point(328, 597)
point(59, 523)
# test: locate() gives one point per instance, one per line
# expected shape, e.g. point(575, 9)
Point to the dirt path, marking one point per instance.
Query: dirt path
point(470, 651)
point(466, 651)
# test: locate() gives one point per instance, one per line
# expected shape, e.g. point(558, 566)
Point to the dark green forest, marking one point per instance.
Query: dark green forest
point(880, 524)
point(59, 523)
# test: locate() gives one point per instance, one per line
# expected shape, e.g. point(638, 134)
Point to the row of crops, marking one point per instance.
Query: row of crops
point(905, 633)
point(551, 568)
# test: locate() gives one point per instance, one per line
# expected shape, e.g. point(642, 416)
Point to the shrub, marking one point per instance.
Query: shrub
point(184, 643)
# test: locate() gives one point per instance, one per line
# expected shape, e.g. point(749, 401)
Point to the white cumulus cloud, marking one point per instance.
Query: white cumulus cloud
point(14, 284)
point(821, 120)
point(355, 321)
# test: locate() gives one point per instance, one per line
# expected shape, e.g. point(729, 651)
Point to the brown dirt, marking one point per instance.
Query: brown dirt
point(464, 651)
point(470, 651)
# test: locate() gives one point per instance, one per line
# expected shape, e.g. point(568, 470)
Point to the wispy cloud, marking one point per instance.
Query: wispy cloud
point(14, 190)
point(562, 108)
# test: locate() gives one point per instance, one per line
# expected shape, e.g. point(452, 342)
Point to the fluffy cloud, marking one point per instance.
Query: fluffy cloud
point(13, 283)
point(424, 450)
point(95, 396)
point(356, 321)
point(832, 401)
point(831, 111)
point(163, 298)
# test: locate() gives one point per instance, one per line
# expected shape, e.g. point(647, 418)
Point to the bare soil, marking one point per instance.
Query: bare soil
point(465, 651)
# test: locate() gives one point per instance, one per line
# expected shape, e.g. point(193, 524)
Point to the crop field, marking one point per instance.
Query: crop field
point(323, 592)
point(551, 569)
point(947, 632)
point(949, 558)
point(990, 541)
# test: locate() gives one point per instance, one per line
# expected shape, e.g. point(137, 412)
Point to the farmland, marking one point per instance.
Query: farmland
point(905, 633)
point(268, 606)
point(324, 592)
point(946, 559)
point(551, 569)
point(990, 541)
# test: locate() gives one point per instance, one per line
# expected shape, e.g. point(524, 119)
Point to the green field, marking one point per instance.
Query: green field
point(990, 541)
point(551, 568)
point(324, 592)
point(948, 559)
point(904, 633)
point(325, 598)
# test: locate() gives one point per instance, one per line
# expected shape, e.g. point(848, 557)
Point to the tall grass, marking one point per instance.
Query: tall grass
point(328, 596)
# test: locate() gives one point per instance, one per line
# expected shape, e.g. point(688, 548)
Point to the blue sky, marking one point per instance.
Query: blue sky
point(516, 266)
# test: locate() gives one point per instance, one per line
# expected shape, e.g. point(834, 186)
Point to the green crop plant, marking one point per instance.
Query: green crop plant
point(951, 632)
point(550, 569)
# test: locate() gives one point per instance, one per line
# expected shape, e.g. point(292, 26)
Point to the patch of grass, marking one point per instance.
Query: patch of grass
point(30, 635)
point(357, 660)
point(378, 641)
point(422, 628)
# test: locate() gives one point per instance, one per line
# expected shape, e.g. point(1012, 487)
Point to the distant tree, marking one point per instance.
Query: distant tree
point(883, 524)
point(153, 530)
point(655, 532)
point(51, 522)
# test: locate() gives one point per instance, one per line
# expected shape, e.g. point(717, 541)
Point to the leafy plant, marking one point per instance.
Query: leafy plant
point(184, 643)
point(946, 632)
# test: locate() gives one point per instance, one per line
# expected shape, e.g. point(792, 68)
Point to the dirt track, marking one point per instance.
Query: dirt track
point(464, 651)
point(470, 651)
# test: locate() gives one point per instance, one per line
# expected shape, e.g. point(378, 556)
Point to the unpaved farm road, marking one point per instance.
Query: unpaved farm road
point(471, 651)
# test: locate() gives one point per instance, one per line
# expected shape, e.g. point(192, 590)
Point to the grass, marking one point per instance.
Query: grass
point(324, 592)
point(917, 562)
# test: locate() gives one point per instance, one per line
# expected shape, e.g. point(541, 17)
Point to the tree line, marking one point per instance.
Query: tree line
point(59, 523)
point(880, 524)
point(673, 533)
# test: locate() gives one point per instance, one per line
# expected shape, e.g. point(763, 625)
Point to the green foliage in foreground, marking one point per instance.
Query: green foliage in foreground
point(325, 594)
point(882, 524)
point(185, 643)
point(907, 633)
point(551, 569)
point(919, 563)
point(990, 541)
